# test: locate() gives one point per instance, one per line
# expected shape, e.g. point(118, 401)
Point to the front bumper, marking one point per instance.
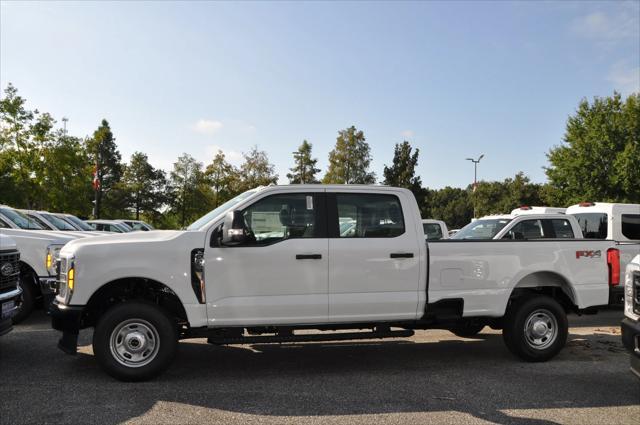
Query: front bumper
point(67, 319)
point(6, 324)
point(631, 340)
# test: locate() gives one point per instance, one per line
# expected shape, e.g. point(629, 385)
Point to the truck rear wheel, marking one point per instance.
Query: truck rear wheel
point(535, 328)
point(135, 341)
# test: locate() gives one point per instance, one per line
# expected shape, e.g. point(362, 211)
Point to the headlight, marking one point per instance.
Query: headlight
point(66, 280)
point(51, 256)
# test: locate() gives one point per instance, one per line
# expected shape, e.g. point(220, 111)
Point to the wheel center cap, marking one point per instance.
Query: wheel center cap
point(539, 329)
point(135, 341)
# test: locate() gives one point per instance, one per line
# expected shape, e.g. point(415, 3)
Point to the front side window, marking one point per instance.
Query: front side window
point(369, 216)
point(593, 225)
point(280, 217)
point(631, 226)
point(528, 229)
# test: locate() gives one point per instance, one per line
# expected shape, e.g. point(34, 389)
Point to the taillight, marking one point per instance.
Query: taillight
point(613, 261)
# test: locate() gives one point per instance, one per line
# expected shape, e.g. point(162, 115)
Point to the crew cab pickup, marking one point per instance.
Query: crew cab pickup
point(9, 276)
point(524, 226)
point(631, 321)
point(273, 261)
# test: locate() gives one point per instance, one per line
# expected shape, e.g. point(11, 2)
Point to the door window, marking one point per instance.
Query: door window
point(369, 216)
point(280, 217)
point(562, 229)
point(528, 229)
point(631, 226)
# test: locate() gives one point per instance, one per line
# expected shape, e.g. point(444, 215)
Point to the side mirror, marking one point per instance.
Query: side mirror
point(234, 232)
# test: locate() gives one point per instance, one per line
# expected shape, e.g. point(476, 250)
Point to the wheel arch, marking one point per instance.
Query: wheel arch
point(133, 288)
point(548, 283)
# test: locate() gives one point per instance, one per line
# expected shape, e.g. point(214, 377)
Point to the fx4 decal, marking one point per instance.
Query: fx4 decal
point(588, 254)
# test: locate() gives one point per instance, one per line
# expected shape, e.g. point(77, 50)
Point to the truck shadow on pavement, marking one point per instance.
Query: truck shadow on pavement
point(477, 376)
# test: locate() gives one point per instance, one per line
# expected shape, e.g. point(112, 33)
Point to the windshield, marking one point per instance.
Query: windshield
point(205, 219)
point(123, 227)
point(40, 222)
point(79, 223)
point(21, 220)
point(482, 229)
point(60, 224)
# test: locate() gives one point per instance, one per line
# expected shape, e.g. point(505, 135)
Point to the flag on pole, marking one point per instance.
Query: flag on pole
point(96, 181)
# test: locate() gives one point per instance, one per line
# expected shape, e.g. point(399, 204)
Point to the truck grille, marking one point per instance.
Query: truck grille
point(635, 292)
point(9, 270)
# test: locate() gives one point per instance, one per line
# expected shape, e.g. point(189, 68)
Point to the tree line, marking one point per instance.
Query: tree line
point(43, 167)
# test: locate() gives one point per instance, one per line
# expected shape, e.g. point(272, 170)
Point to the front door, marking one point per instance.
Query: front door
point(279, 276)
point(374, 266)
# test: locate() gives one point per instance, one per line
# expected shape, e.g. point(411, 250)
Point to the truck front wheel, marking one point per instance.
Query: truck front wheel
point(536, 328)
point(135, 341)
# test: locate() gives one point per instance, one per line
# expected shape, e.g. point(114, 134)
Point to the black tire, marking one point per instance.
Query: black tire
point(535, 328)
point(467, 330)
point(27, 298)
point(120, 327)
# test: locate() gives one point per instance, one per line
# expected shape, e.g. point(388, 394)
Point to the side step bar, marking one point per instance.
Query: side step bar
point(271, 339)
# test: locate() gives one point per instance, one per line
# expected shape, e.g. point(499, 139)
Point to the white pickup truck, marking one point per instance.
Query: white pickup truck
point(523, 226)
point(9, 277)
point(237, 275)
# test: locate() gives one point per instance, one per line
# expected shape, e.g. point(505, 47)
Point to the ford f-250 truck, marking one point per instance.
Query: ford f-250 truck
point(9, 277)
point(631, 322)
point(272, 262)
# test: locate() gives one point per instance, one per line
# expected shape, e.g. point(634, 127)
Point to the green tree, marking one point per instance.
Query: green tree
point(402, 172)
point(451, 205)
point(598, 159)
point(189, 190)
point(103, 152)
point(223, 178)
point(256, 170)
point(20, 156)
point(144, 186)
point(501, 197)
point(305, 169)
point(350, 159)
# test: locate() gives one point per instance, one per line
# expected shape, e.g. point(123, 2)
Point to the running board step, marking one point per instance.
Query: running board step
point(271, 339)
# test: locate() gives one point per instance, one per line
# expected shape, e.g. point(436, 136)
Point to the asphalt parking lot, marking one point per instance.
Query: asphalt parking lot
point(434, 377)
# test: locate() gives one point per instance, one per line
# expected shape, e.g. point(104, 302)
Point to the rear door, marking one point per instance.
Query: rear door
point(374, 264)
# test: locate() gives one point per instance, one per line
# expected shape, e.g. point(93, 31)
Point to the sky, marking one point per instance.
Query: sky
point(456, 79)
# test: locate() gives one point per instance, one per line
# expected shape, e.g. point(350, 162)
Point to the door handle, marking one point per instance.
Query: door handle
point(401, 255)
point(308, 256)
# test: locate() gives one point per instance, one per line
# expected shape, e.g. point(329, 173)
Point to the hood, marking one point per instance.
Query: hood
point(7, 243)
point(124, 238)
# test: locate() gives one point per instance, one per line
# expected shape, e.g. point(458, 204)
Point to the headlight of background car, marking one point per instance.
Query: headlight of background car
point(66, 280)
point(51, 257)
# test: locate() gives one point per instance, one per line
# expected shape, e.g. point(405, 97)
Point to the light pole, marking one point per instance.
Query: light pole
point(475, 180)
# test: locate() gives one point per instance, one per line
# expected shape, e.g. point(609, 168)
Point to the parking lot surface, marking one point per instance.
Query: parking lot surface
point(434, 377)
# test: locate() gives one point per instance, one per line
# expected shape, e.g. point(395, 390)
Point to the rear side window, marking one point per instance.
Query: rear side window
point(363, 215)
point(593, 225)
point(562, 229)
point(631, 226)
point(432, 231)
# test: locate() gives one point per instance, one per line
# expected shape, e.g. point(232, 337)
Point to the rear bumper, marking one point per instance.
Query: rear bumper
point(616, 295)
point(67, 319)
point(631, 341)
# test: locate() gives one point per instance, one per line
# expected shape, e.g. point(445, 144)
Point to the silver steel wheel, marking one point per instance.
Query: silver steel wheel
point(540, 329)
point(134, 343)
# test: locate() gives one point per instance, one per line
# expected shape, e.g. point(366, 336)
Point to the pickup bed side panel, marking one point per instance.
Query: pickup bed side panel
point(485, 273)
